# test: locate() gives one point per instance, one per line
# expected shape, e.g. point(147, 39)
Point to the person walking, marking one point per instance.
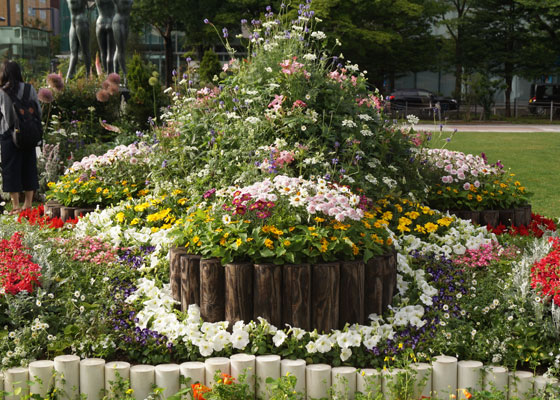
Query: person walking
point(19, 166)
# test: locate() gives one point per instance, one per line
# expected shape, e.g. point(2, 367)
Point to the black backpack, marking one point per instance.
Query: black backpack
point(27, 132)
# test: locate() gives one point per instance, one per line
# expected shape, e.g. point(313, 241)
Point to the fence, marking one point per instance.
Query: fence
point(93, 378)
point(546, 112)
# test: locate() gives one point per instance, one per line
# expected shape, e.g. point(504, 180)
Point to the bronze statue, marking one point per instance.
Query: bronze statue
point(104, 33)
point(79, 35)
point(120, 32)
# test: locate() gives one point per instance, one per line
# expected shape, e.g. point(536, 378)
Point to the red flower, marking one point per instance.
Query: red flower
point(199, 390)
point(17, 271)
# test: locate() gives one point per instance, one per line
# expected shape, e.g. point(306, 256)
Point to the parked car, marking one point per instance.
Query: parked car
point(542, 95)
point(418, 101)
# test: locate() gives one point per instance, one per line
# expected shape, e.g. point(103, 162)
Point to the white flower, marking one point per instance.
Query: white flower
point(38, 302)
point(206, 349)
point(349, 123)
point(309, 57)
point(318, 35)
point(226, 219)
point(303, 128)
point(279, 338)
point(268, 69)
point(252, 120)
point(345, 354)
point(311, 348)
point(323, 344)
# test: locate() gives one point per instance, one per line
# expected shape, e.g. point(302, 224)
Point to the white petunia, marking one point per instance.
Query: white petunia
point(345, 354)
point(279, 338)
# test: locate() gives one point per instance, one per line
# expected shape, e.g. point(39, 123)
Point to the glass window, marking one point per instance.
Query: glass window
point(43, 1)
point(17, 7)
point(43, 14)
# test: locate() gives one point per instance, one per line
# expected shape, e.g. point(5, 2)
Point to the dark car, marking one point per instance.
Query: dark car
point(542, 96)
point(418, 101)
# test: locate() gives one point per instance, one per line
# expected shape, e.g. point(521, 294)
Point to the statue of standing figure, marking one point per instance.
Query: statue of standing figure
point(78, 36)
point(120, 33)
point(104, 33)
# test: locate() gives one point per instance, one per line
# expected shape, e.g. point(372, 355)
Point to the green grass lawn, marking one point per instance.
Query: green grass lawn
point(533, 157)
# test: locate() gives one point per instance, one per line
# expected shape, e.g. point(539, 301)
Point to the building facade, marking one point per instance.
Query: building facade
point(39, 14)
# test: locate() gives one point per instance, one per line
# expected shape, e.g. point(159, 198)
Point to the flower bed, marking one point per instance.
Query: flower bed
point(461, 181)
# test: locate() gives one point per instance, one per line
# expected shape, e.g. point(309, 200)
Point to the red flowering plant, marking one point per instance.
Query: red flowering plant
point(538, 226)
point(17, 271)
point(36, 216)
point(545, 273)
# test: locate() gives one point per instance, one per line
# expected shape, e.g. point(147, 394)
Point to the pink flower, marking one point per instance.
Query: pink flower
point(114, 78)
point(467, 186)
point(277, 102)
point(45, 95)
point(55, 81)
point(102, 96)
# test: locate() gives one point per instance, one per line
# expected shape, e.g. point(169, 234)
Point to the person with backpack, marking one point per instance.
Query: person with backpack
point(20, 133)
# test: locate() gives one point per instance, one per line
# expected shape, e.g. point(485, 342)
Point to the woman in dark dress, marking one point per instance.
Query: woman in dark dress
point(19, 167)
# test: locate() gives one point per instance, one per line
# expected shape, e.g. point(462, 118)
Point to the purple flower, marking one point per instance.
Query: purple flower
point(206, 21)
point(164, 164)
point(225, 32)
point(335, 161)
point(188, 59)
point(243, 21)
point(209, 193)
point(268, 8)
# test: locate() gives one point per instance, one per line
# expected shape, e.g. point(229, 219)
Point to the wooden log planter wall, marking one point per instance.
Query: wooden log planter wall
point(93, 378)
point(55, 209)
point(309, 296)
point(513, 216)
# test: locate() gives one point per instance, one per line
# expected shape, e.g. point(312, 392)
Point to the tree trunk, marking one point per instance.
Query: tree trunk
point(168, 57)
point(508, 69)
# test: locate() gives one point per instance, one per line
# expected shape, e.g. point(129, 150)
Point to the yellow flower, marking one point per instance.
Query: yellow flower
point(268, 243)
point(120, 217)
point(389, 241)
point(155, 229)
point(311, 228)
point(176, 192)
point(124, 183)
point(105, 191)
point(249, 239)
point(430, 227)
point(412, 214)
point(135, 221)
point(287, 243)
point(73, 191)
point(50, 185)
point(143, 192)
point(478, 198)
point(398, 207)
point(445, 221)
point(355, 250)
point(195, 240)
point(239, 242)
point(420, 228)
point(319, 219)
point(182, 201)
point(141, 207)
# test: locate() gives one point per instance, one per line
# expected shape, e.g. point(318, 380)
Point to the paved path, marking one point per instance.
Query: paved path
point(490, 128)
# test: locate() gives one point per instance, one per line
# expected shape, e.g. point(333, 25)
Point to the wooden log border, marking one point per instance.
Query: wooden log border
point(308, 296)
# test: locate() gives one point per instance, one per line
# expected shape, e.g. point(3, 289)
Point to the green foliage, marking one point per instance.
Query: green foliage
point(209, 67)
point(144, 97)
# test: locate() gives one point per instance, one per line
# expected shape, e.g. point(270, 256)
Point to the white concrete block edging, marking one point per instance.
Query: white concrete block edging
point(91, 378)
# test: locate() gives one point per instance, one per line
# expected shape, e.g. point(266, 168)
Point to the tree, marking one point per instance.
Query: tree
point(503, 40)
point(165, 16)
point(454, 16)
point(387, 38)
